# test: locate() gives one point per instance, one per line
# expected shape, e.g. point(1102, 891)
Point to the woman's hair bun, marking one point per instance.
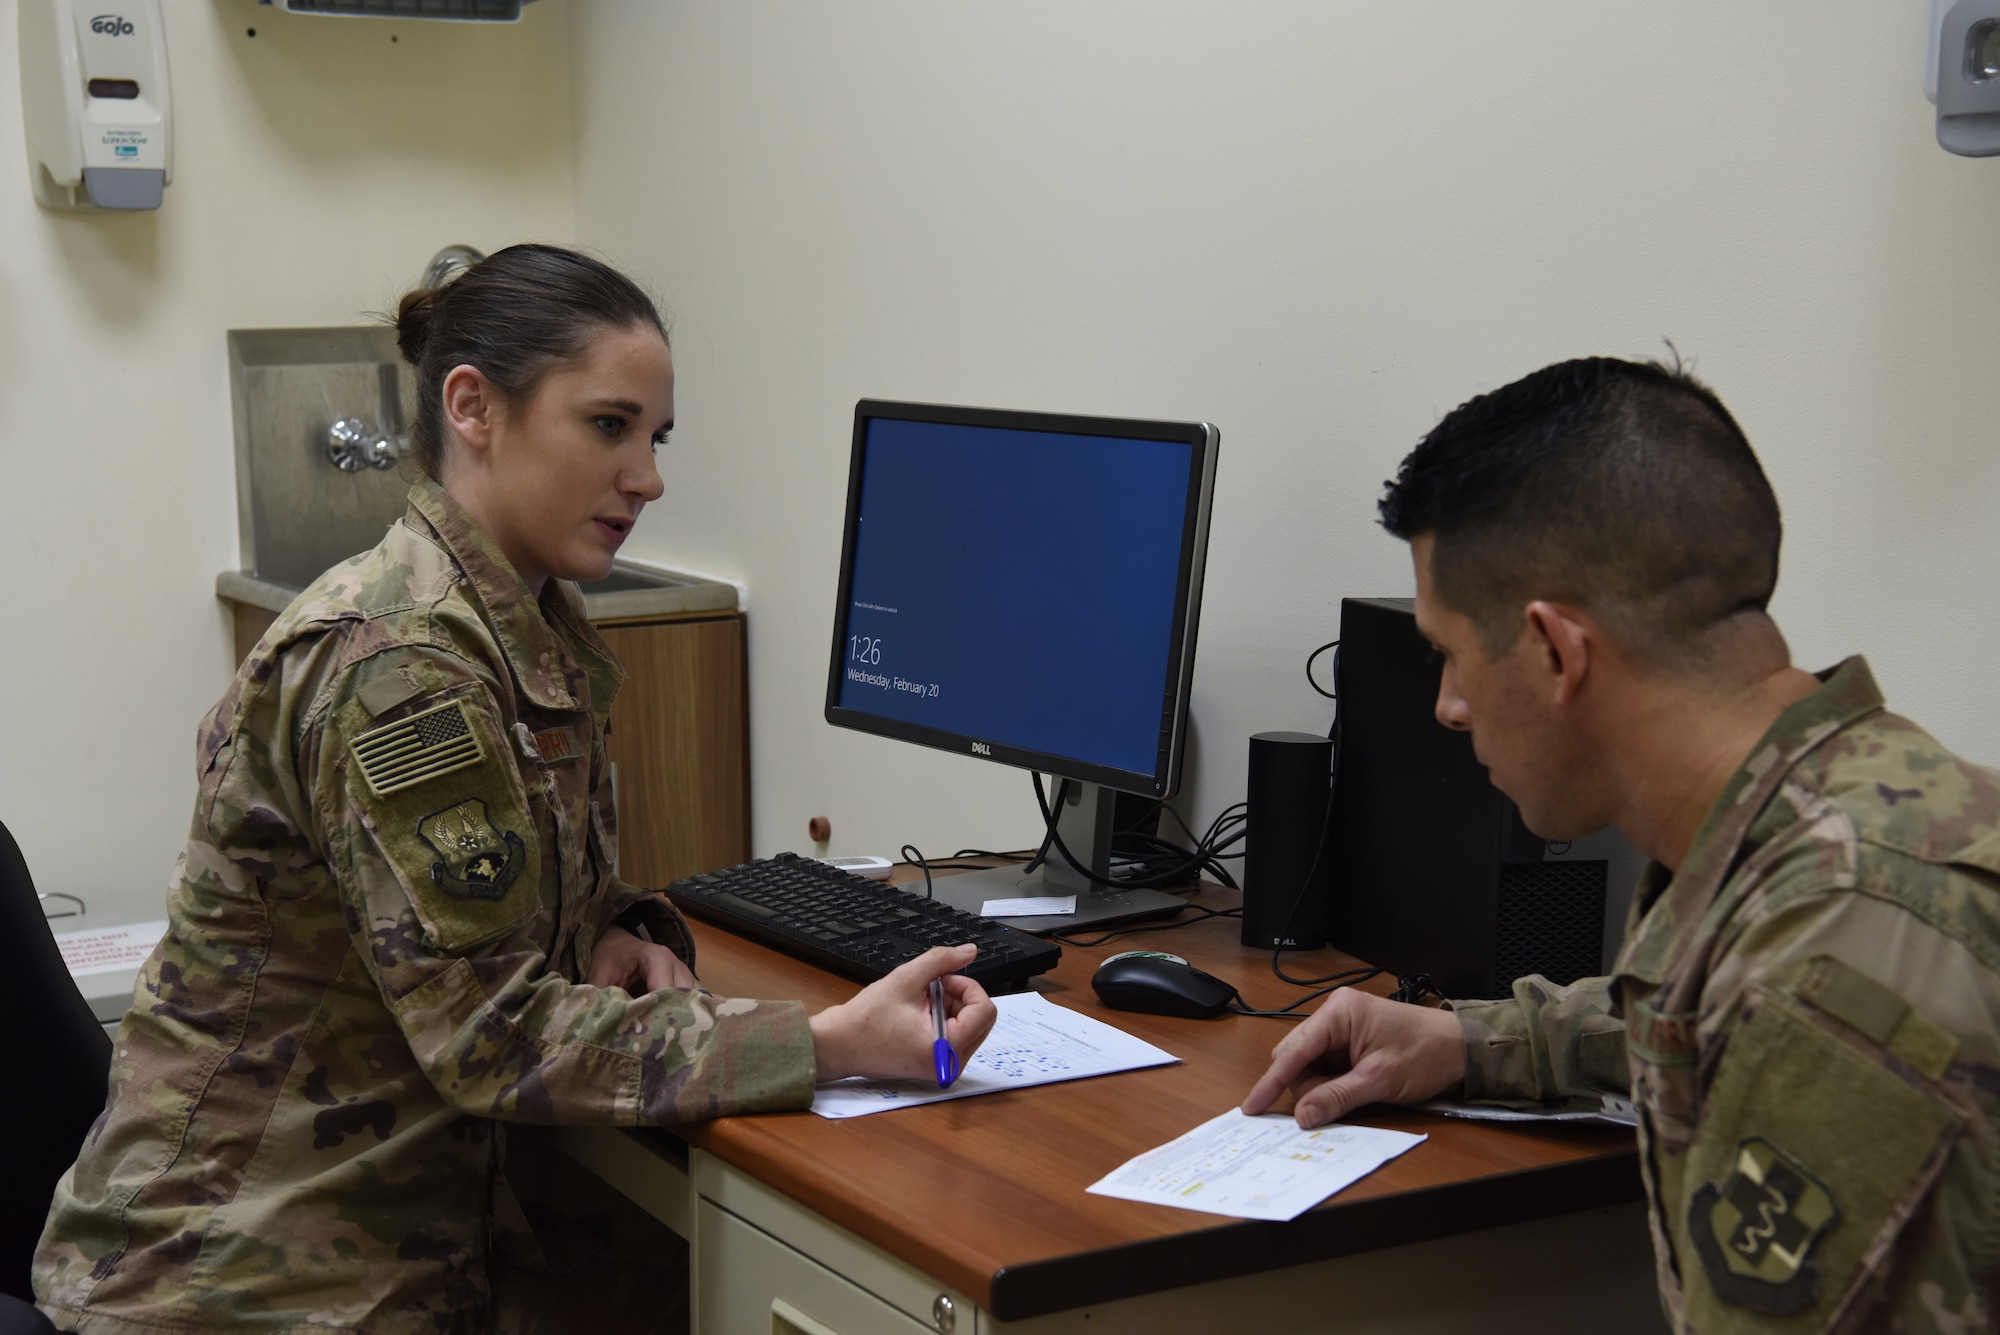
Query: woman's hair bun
point(413, 323)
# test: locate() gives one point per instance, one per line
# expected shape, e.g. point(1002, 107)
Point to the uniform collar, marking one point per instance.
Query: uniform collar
point(1847, 692)
point(556, 669)
point(1678, 915)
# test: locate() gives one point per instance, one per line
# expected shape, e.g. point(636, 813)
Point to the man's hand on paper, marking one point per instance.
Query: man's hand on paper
point(1358, 1049)
point(886, 1032)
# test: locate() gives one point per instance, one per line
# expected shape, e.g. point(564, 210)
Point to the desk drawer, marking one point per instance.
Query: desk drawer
point(749, 1283)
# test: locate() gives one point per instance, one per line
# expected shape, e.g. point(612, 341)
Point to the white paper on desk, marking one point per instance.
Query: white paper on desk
point(1040, 906)
point(90, 950)
point(1255, 1167)
point(1034, 1042)
point(1616, 1111)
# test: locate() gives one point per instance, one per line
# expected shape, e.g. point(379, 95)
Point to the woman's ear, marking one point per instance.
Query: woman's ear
point(470, 407)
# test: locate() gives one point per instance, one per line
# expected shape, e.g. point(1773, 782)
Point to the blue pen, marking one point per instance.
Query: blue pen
point(942, 1051)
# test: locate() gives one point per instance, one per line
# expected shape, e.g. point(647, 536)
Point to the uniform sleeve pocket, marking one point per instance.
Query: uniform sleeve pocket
point(444, 803)
point(1812, 1154)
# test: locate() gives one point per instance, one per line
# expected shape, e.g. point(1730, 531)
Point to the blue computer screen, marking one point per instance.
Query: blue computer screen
point(1017, 586)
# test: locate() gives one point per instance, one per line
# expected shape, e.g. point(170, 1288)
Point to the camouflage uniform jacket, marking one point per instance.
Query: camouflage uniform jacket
point(399, 862)
point(1807, 1015)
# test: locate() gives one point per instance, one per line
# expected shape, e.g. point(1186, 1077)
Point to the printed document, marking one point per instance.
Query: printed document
point(1255, 1167)
point(1034, 1042)
point(1615, 1110)
point(92, 950)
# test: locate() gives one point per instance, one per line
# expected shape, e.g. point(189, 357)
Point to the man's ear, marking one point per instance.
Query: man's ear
point(1562, 645)
point(470, 406)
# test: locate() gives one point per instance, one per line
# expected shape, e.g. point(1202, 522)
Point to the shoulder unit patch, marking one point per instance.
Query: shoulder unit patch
point(1755, 1229)
point(475, 860)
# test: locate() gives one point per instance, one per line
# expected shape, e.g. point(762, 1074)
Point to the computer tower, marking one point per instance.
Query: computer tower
point(1432, 870)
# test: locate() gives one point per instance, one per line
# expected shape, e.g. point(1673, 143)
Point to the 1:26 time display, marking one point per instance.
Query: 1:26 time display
point(865, 648)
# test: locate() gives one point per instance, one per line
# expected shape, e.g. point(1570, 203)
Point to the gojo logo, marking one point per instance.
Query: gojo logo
point(112, 25)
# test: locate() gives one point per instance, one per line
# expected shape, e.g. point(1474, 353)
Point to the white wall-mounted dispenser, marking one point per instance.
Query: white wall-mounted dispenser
point(1962, 75)
point(96, 102)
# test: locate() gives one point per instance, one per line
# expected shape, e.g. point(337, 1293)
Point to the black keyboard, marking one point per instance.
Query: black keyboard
point(852, 925)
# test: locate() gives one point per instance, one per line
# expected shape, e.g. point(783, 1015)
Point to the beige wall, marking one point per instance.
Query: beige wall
point(1319, 225)
point(317, 167)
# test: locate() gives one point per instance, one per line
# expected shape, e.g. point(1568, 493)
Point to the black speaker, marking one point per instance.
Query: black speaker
point(1290, 773)
point(1432, 870)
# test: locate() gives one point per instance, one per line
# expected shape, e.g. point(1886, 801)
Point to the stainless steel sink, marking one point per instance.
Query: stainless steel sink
point(297, 510)
point(633, 590)
point(320, 416)
point(629, 591)
point(626, 578)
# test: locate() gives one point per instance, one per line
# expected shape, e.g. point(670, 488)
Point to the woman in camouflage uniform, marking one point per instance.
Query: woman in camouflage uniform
point(395, 926)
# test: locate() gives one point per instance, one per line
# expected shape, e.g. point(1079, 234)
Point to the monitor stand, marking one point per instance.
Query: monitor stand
point(1085, 826)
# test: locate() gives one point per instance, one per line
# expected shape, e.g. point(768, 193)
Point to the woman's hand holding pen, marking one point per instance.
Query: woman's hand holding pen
point(887, 1030)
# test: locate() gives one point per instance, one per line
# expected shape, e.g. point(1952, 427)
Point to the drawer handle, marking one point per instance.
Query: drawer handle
point(789, 1320)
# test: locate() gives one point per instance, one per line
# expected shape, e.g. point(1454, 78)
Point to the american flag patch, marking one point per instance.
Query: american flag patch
point(420, 747)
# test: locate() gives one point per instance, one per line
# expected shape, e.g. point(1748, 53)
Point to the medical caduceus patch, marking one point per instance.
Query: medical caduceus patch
point(475, 860)
point(1755, 1229)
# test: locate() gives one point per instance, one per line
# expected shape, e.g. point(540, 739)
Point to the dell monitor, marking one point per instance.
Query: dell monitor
point(1024, 588)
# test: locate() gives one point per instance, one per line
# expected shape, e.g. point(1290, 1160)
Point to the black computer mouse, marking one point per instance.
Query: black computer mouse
point(1159, 984)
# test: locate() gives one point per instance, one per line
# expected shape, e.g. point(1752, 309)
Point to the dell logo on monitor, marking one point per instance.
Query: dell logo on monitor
point(981, 749)
point(111, 25)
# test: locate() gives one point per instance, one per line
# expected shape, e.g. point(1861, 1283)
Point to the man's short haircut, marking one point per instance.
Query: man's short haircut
point(1624, 488)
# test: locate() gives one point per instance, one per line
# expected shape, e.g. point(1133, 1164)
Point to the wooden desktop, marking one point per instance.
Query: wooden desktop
point(972, 1214)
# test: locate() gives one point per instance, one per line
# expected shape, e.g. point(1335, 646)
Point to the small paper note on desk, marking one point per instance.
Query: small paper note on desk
point(1040, 906)
point(1255, 1167)
point(1034, 1042)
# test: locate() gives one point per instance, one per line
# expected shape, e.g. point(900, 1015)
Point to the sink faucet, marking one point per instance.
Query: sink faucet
point(447, 262)
point(352, 445)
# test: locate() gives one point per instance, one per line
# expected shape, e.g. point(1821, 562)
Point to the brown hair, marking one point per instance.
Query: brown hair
point(514, 317)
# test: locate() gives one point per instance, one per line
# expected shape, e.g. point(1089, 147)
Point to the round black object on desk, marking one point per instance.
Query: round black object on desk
point(1159, 984)
point(1291, 775)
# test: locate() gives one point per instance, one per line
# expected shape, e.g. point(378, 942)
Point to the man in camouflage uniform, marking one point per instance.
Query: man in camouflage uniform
point(1806, 1009)
point(398, 875)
